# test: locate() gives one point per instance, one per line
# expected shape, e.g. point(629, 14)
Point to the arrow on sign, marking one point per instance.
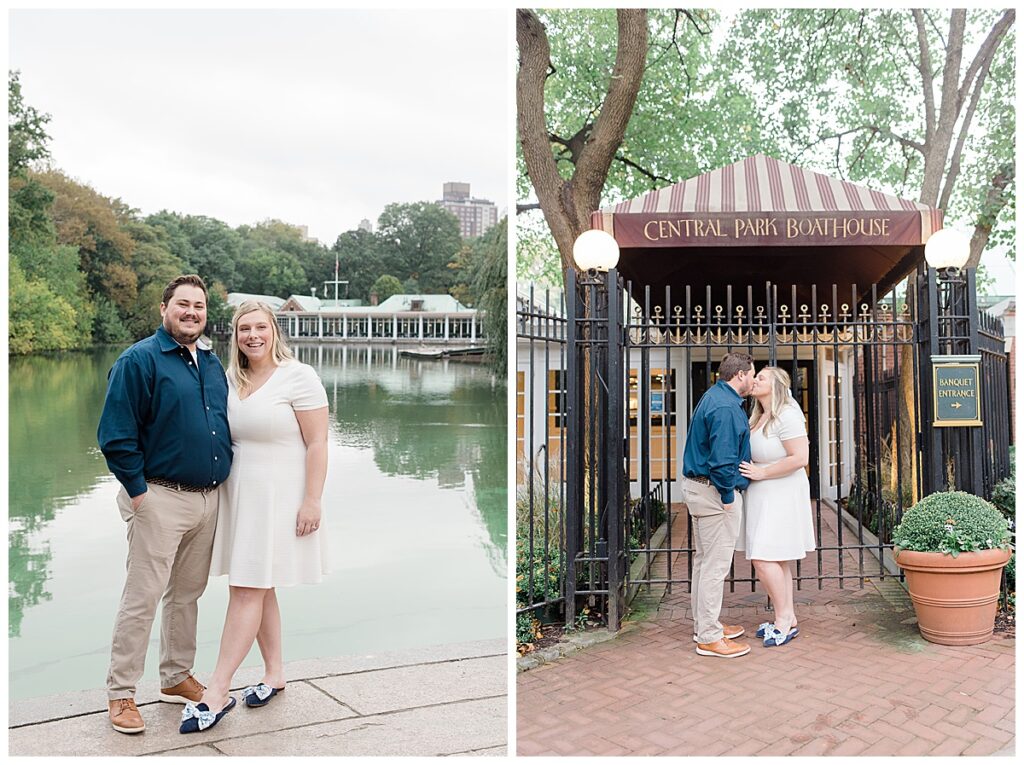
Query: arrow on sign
point(956, 405)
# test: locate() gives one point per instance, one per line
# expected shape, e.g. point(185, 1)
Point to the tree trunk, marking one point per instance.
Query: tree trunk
point(567, 204)
point(995, 201)
point(940, 125)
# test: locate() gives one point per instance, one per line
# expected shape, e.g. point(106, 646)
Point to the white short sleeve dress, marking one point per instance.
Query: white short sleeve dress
point(255, 543)
point(778, 510)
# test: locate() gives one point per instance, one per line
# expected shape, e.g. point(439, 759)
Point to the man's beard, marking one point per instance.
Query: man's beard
point(183, 338)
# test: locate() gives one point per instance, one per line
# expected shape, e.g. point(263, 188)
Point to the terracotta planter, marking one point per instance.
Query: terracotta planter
point(955, 598)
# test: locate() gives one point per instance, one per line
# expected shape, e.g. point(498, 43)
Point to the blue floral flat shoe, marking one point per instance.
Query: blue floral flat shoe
point(260, 694)
point(765, 625)
point(198, 717)
point(774, 638)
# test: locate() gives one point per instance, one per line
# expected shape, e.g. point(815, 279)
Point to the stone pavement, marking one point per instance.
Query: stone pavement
point(859, 680)
point(443, 700)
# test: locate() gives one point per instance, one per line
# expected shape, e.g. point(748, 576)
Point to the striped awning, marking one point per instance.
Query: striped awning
point(761, 201)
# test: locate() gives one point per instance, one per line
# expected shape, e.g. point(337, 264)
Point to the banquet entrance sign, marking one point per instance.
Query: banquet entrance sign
point(956, 388)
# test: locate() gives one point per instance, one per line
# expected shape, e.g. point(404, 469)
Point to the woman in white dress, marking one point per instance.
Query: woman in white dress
point(270, 528)
point(778, 501)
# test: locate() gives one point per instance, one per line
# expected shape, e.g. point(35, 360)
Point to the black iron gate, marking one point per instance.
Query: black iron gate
point(633, 366)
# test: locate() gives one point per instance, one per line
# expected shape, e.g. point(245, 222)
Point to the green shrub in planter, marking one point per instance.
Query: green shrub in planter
point(952, 522)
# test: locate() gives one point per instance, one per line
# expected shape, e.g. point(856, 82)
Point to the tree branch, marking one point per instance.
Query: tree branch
point(522, 207)
point(924, 66)
point(874, 129)
point(575, 143)
point(694, 19)
point(643, 171)
point(986, 52)
point(954, 165)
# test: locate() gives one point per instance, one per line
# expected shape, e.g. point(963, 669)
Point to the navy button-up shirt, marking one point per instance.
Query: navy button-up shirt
point(719, 440)
point(164, 417)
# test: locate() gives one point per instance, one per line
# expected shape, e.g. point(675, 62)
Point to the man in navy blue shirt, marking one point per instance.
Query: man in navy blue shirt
point(164, 433)
point(717, 442)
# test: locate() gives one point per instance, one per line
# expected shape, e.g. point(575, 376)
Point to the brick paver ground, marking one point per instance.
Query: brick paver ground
point(859, 680)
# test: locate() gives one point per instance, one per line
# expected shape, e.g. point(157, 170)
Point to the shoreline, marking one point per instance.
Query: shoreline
point(348, 705)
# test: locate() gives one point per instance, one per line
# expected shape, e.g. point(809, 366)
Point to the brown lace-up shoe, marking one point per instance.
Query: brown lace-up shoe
point(724, 649)
point(187, 690)
point(728, 630)
point(125, 717)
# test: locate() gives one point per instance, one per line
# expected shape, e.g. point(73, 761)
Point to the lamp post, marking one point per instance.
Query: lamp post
point(595, 418)
point(955, 449)
point(947, 251)
point(595, 250)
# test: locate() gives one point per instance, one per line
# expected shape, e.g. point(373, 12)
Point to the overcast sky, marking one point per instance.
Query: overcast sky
point(318, 118)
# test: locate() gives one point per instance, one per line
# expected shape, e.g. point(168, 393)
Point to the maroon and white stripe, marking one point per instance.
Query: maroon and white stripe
point(762, 184)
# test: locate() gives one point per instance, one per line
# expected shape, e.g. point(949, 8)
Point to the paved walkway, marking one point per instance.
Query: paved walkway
point(444, 700)
point(858, 680)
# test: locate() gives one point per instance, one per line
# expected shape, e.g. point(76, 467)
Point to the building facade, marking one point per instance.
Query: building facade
point(401, 319)
point(475, 215)
point(812, 274)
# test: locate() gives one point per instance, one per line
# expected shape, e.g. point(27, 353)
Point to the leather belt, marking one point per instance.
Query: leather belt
point(179, 486)
point(700, 479)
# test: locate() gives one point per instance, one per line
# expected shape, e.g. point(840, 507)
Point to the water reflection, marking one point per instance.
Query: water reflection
point(440, 420)
point(436, 425)
point(54, 408)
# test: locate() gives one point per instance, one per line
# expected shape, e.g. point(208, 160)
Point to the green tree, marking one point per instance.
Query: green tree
point(917, 101)
point(266, 271)
point(464, 267)
point(216, 251)
point(385, 286)
point(568, 194)
point(26, 131)
point(417, 243)
point(49, 306)
point(217, 310)
point(93, 223)
point(359, 262)
point(875, 95)
point(155, 265)
point(490, 290)
point(38, 319)
point(310, 256)
point(109, 327)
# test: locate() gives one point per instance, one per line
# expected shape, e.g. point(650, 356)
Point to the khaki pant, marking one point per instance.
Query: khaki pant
point(715, 531)
point(170, 543)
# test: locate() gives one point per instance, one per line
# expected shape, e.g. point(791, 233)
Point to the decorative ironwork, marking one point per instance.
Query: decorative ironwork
point(636, 364)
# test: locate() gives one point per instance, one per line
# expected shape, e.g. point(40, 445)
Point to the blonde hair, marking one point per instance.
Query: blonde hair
point(781, 398)
point(238, 363)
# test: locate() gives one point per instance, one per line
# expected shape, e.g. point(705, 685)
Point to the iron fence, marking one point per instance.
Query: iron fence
point(622, 369)
point(540, 452)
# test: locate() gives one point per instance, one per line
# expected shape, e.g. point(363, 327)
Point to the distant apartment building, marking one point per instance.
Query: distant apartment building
point(475, 215)
point(304, 231)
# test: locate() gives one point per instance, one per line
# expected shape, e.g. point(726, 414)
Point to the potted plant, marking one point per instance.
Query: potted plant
point(952, 546)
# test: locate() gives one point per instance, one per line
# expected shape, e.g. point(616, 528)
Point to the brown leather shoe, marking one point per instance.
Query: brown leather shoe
point(187, 690)
point(729, 630)
point(125, 717)
point(724, 649)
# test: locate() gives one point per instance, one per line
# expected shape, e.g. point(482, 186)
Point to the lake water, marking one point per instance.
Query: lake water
point(415, 492)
